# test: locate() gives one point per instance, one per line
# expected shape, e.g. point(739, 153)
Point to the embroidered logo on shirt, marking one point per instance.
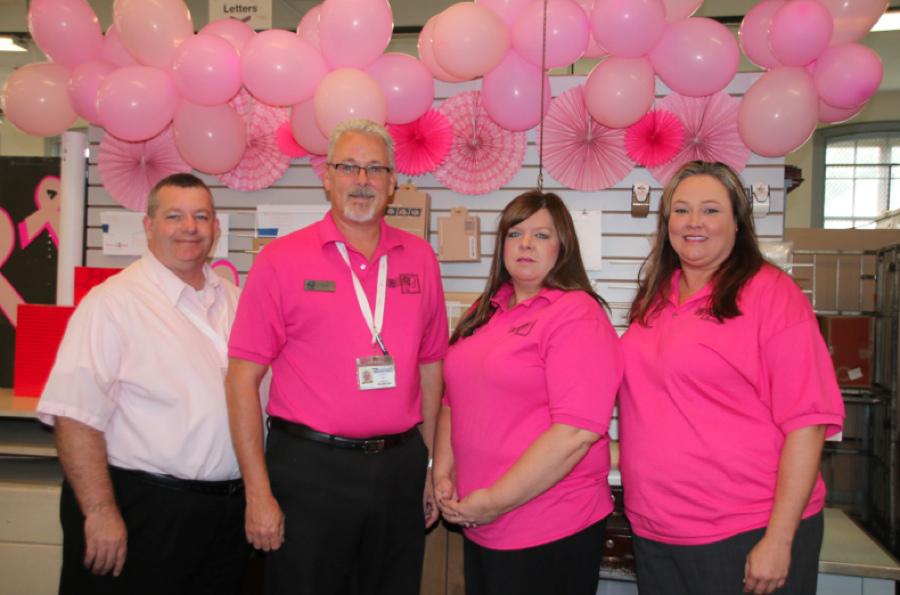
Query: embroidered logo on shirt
point(523, 329)
point(410, 284)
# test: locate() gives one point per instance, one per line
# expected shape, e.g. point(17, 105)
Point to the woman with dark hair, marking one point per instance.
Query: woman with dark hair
point(729, 392)
point(521, 454)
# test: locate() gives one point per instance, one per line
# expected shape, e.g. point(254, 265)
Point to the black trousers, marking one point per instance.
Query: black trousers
point(569, 566)
point(718, 568)
point(179, 542)
point(354, 522)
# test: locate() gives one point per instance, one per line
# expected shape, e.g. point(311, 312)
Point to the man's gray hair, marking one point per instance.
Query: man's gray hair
point(179, 180)
point(362, 126)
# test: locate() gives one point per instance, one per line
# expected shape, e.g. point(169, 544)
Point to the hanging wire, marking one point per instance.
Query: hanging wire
point(540, 176)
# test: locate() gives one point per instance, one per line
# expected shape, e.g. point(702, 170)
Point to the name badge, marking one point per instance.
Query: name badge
point(376, 372)
point(311, 285)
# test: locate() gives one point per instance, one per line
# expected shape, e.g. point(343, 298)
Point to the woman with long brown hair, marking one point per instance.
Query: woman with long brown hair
point(521, 454)
point(728, 395)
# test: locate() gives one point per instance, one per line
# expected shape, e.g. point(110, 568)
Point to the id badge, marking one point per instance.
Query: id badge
point(376, 372)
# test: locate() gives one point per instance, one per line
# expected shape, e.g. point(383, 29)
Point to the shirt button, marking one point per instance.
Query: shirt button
point(362, 267)
point(675, 315)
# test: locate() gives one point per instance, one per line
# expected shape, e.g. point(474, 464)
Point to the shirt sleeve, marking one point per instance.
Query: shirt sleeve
point(81, 385)
point(583, 362)
point(435, 335)
point(258, 333)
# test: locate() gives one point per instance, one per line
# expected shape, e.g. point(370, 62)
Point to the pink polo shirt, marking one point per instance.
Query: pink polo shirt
point(554, 358)
point(705, 407)
point(299, 313)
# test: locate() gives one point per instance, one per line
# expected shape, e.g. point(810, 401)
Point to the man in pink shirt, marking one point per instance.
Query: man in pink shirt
point(349, 314)
point(152, 501)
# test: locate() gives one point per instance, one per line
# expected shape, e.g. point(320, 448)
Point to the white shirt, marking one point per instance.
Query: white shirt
point(143, 360)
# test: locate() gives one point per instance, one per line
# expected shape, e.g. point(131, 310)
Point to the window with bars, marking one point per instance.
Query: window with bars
point(862, 179)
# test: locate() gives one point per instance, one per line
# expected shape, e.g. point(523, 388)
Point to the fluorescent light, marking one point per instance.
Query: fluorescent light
point(8, 44)
point(889, 21)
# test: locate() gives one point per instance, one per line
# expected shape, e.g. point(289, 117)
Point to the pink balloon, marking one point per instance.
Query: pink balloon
point(279, 68)
point(114, 52)
point(83, 86)
point(308, 27)
point(469, 40)
point(407, 85)
point(426, 53)
point(754, 33)
point(305, 129)
point(628, 28)
point(206, 70)
point(235, 32)
point(152, 29)
point(848, 75)
point(799, 32)
point(619, 91)
point(594, 49)
point(779, 112)
point(66, 30)
point(348, 93)
point(509, 11)
point(511, 93)
point(35, 98)
point(677, 10)
point(210, 139)
point(853, 18)
point(136, 102)
point(829, 114)
point(696, 57)
point(353, 33)
point(568, 33)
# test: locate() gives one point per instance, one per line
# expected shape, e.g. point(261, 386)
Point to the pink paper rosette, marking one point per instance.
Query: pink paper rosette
point(284, 138)
point(423, 144)
point(654, 139)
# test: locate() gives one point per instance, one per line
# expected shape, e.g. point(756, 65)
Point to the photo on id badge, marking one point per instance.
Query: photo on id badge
point(375, 372)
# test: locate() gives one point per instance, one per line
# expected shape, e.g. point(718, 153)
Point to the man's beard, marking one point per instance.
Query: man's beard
point(352, 210)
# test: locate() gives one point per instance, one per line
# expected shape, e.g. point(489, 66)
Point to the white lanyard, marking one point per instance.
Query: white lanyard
point(376, 324)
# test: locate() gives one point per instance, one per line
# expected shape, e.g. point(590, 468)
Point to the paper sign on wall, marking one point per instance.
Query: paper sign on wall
point(588, 228)
point(256, 13)
point(459, 237)
point(274, 221)
point(124, 235)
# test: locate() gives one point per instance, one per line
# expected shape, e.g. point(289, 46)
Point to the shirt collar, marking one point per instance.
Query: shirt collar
point(502, 295)
point(388, 239)
point(702, 294)
point(170, 284)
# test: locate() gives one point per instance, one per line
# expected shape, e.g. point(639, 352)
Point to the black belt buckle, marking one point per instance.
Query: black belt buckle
point(373, 447)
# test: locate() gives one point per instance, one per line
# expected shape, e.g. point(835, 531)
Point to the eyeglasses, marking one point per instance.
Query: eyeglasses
point(351, 170)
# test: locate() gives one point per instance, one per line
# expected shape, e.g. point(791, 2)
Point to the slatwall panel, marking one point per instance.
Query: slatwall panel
point(626, 240)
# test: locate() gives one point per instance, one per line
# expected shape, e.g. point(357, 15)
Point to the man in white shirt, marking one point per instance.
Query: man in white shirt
point(152, 501)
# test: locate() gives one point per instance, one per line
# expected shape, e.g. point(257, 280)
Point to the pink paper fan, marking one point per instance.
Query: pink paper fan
point(579, 152)
point(287, 144)
point(484, 156)
point(423, 144)
point(318, 164)
point(129, 170)
point(654, 139)
point(710, 132)
point(263, 162)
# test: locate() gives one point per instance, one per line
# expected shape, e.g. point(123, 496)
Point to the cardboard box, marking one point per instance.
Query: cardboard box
point(850, 342)
point(410, 211)
point(459, 237)
point(458, 303)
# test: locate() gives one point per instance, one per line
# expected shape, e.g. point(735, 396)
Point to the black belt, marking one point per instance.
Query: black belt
point(372, 445)
point(216, 488)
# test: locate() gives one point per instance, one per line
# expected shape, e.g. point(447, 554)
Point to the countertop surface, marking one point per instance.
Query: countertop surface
point(849, 550)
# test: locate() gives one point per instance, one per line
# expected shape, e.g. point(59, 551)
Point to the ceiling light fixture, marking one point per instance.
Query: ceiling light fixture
point(10, 44)
point(889, 21)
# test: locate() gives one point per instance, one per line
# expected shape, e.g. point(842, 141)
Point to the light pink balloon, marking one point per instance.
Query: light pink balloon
point(348, 93)
point(279, 68)
point(509, 11)
point(235, 32)
point(696, 57)
point(799, 32)
point(152, 29)
point(353, 33)
point(114, 52)
point(619, 91)
point(211, 139)
point(779, 112)
point(677, 10)
point(206, 70)
point(469, 40)
point(754, 33)
point(848, 75)
point(66, 30)
point(308, 27)
point(853, 18)
point(594, 49)
point(407, 85)
point(568, 33)
point(136, 102)
point(35, 98)
point(305, 129)
point(628, 28)
point(426, 53)
point(829, 114)
point(511, 93)
point(83, 86)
